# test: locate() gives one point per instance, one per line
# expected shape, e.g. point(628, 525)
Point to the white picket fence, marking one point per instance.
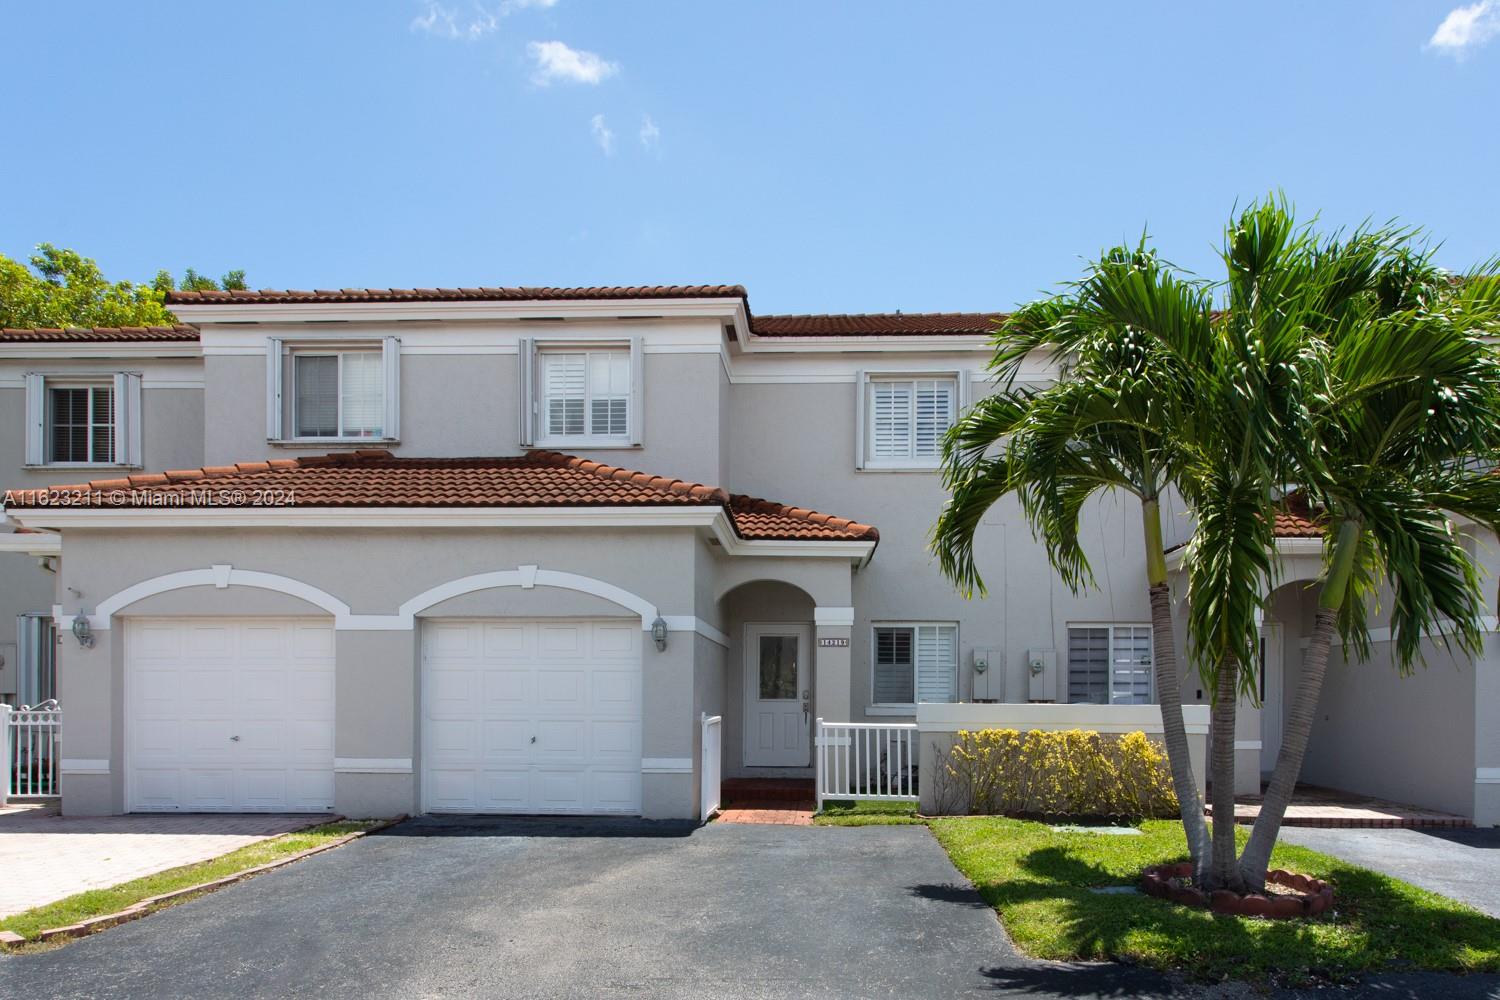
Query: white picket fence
point(866, 760)
point(29, 751)
point(711, 773)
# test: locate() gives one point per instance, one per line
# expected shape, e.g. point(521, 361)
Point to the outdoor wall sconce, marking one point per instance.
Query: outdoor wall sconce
point(82, 630)
point(659, 633)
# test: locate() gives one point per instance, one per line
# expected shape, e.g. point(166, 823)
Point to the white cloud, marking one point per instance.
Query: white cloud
point(650, 134)
point(602, 135)
point(1467, 28)
point(468, 24)
point(556, 61)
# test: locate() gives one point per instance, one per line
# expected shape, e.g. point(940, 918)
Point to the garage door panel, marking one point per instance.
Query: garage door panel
point(506, 739)
point(230, 714)
point(508, 688)
point(615, 740)
point(558, 721)
point(450, 739)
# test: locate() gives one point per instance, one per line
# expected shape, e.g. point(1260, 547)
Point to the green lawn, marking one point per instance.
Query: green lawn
point(98, 902)
point(846, 813)
point(1040, 883)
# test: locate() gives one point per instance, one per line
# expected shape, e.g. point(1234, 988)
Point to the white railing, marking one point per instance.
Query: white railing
point(28, 751)
point(711, 773)
point(874, 761)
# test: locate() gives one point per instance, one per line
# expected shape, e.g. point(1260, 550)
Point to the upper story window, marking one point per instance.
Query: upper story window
point(577, 395)
point(915, 663)
point(1110, 664)
point(81, 419)
point(338, 395)
point(903, 418)
point(344, 391)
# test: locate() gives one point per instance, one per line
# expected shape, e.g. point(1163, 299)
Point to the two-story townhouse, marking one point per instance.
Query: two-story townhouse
point(500, 549)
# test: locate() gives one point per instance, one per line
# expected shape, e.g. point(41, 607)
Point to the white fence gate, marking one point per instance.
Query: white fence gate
point(711, 772)
point(28, 751)
point(872, 761)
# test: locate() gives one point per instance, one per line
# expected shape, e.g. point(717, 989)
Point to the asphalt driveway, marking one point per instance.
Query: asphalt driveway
point(1458, 863)
point(535, 908)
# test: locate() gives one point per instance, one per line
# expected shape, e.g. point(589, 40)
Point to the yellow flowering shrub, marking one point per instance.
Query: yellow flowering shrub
point(1074, 772)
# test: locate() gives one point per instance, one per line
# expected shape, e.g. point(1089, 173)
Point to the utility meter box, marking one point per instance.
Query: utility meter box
point(989, 675)
point(1041, 673)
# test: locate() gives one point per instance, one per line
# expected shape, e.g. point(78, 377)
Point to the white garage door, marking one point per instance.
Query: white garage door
point(531, 716)
point(229, 714)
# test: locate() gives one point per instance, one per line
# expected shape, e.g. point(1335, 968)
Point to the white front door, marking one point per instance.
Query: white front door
point(229, 714)
point(1271, 684)
point(778, 695)
point(531, 715)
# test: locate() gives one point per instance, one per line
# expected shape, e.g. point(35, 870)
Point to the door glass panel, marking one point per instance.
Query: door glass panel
point(778, 667)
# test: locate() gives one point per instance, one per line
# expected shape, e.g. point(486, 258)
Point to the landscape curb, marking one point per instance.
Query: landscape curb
point(83, 928)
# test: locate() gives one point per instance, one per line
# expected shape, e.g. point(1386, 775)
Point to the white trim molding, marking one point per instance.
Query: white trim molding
point(690, 623)
point(75, 765)
point(666, 765)
point(372, 765)
point(526, 577)
point(1247, 744)
point(32, 543)
point(1487, 776)
point(833, 616)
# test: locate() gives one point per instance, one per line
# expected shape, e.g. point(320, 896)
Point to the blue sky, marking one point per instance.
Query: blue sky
point(831, 156)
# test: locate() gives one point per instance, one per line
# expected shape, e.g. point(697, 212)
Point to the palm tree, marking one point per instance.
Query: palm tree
point(1405, 428)
point(1131, 334)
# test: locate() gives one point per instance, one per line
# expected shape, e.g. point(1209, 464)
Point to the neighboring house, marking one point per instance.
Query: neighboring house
point(401, 565)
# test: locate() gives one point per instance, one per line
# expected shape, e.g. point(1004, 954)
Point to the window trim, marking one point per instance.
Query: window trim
point(909, 708)
point(864, 461)
point(533, 394)
point(281, 387)
point(1066, 677)
point(125, 417)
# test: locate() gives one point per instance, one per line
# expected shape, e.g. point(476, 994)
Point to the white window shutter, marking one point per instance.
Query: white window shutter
point(390, 354)
point(526, 386)
point(127, 400)
point(861, 389)
point(36, 418)
point(965, 390)
point(637, 418)
point(274, 375)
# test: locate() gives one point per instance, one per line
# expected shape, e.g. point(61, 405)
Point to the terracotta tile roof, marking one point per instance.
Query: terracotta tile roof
point(876, 325)
point(497, 294)
point(94, 334)
point(375, 478)
point(1296, 519)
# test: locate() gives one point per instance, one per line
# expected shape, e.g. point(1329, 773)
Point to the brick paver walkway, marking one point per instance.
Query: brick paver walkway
point(1331, 809)
point(776, 813)
point(45, 857)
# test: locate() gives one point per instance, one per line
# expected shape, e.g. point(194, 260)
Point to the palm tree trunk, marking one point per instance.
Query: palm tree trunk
point(1169, 692)
point(1263, 836)
point(1224, 872)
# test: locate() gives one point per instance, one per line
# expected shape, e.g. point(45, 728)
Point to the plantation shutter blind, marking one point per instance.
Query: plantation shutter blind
point(937, 663)
point(609, 392)
point(893, 667)
point(1088, 665)
point(933, 414)
point(1131, 680)
point(36, 419)
point(564, 386)
point(890, 423)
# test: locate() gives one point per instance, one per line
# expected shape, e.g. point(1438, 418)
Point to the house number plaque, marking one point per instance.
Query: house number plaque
point(833, 642)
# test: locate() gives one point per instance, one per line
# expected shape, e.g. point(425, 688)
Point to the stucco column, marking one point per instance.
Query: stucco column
point(92, 750)
point(1487, 734)
point(669, 728)
point(375, 753)
point(832, 700)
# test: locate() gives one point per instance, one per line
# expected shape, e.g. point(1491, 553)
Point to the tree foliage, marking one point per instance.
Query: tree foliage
point(61, 288)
